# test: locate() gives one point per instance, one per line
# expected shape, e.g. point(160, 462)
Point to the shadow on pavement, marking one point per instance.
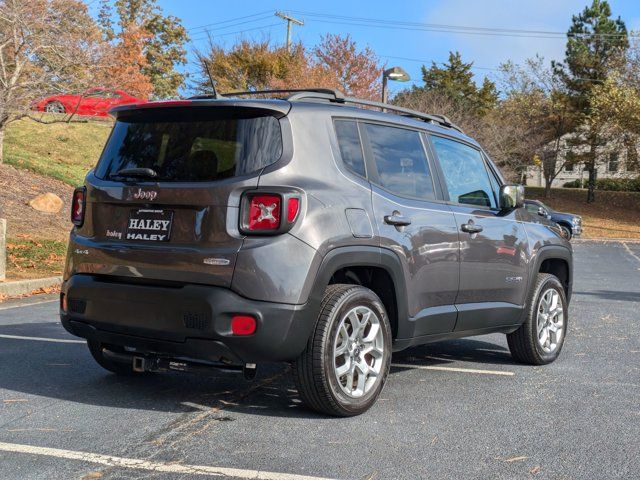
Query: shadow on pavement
point(66, 371)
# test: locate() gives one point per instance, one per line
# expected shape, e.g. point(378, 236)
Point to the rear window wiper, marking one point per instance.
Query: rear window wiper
point(136, 172)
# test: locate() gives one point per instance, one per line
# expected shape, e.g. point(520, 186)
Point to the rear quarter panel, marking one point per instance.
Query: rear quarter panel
point(330, 195)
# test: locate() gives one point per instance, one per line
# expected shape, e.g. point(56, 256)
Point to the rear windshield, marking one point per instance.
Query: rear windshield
point(191, 146)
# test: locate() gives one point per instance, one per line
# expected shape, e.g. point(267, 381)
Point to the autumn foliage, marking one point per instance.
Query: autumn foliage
point(126, 63)
point(335, 63)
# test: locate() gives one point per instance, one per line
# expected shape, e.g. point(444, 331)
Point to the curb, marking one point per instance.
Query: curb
point(23, 287)
point(605, 239)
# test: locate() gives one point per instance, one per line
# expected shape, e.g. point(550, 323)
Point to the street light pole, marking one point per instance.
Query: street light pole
point(385, 94)
point(289, 21)
point(397, 74)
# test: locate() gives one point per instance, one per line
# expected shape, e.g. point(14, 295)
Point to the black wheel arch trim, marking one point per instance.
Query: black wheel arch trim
point(364, 256)
point(550, 252)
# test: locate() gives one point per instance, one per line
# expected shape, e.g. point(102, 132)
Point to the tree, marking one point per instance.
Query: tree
point(535, 98)
point(46, 46)
point(247, 65)
point(164, 45)
point(455, 81)
point(616, 104)
point(258, 65)
point(358, 72)
point(127, 63)
point(595, 44)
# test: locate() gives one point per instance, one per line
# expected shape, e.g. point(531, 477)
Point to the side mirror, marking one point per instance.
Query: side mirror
point(511, 196)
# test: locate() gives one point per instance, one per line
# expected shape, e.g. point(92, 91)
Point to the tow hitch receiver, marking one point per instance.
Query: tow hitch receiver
point(139, 364)
point(152, 363)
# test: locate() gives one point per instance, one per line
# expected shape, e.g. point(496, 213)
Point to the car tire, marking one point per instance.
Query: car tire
point(352, 335)
point(55, 107)
point(119, 368)
point(540, 338)
point(566, 232)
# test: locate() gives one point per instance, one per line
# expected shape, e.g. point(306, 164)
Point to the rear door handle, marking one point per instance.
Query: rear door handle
point(470, 228)
point(397, 220)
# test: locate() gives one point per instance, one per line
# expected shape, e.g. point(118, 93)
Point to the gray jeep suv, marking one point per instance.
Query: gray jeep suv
point(305, 229)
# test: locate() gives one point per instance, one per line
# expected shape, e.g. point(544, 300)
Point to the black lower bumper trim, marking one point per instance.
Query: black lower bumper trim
point(192, 321)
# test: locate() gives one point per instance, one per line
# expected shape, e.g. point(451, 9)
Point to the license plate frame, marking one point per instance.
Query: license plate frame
point(149, 225)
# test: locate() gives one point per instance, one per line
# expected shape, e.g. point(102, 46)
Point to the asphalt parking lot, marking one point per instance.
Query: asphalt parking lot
point(456, 409)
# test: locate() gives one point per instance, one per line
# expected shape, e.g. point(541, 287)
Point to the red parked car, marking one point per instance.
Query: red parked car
point(95, 102)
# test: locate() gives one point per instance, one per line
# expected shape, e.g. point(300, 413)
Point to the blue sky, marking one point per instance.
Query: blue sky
point(395, 46)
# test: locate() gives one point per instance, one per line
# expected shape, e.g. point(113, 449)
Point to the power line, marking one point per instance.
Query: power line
point(214, 35)
point(206, 26)
point(231, 25)
point(444, 28)
point(429, 61)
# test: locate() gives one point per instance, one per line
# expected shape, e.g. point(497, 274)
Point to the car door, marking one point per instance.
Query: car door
point(415, 223)
point(493, 243)
point(92, 102)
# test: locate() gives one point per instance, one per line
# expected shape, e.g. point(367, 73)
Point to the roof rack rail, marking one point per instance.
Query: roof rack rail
point(337, 96)
point(301, 92)
point(427, 117)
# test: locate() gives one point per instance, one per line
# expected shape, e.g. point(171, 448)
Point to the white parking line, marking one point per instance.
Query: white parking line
point(27, 304)
point(134, 463)
point(630, 252)
point(455, 369)
point(42, 339)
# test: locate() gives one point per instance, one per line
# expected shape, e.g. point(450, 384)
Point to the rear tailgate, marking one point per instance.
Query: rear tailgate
point(180, 225)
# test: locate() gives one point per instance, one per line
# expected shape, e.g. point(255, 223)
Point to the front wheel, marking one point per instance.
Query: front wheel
point(54, 107)
point(566, 232)
point(539, 339)
point(347, 359)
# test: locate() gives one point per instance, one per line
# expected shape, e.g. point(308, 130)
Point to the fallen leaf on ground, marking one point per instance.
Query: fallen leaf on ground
point(534, 470)
point(90, 476)
point(515, 459)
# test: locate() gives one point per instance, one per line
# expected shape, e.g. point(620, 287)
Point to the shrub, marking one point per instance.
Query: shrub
point(609, 184)
point(573, 184)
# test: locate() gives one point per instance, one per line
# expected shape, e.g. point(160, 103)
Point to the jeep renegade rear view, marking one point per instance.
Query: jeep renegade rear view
point(304, 229)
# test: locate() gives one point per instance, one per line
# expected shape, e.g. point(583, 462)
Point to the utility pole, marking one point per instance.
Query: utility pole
point(289, 21)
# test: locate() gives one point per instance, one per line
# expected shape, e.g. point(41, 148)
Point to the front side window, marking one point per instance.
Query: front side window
point(532, 207)
point(465, 173)
point(401, 161)
point(350, 146)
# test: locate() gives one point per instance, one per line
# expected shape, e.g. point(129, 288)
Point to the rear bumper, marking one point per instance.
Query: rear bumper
point(192, 321)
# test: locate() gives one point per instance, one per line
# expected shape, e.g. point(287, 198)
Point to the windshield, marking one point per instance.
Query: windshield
point(191, 146)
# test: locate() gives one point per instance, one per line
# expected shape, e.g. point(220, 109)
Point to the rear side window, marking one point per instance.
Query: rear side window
point(350, 146)
point(465, 173)
point(191, 146)
point(401, 161)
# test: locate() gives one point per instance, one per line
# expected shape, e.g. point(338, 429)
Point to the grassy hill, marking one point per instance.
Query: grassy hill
point(65, 151)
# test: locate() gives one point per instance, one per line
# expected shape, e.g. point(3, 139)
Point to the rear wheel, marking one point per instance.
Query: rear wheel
point(539, 339)
point(346, 362)
point(54, 107)
point(119, 368)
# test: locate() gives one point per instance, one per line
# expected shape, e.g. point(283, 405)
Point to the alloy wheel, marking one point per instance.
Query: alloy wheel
point(358, 351)
point(550, 320)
